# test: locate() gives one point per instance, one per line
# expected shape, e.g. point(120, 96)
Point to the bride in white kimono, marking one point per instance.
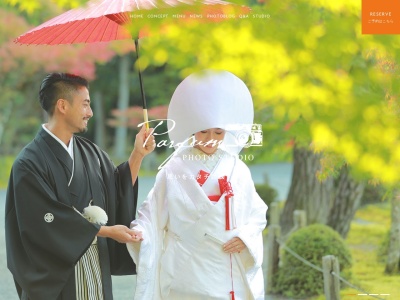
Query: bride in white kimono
point(202, 222)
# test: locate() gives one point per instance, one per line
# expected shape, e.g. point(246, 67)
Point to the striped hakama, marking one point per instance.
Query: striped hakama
point(88, 275)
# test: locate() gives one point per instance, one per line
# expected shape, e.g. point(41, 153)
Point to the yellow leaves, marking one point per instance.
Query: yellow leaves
point(142, 63)
point(371, 113)
point(161, 56)
point(172, 31)
point(396, 153)
point(308, 60)
point(289, 87)
point(389, 136)
point(351, 47)
point(306, 111)
point(351, 149)
point(12, 2)
point(338, 6)
point(323, 137)
point(70, 3)
point(311, 39)
point(374, 152)
point(26, 5)
point(336, 80)
point(304, 57)
point(372, 134)
point(229, 41)
point(317, 31)
point(31, 6)
point(375, 165)
point(315, 70)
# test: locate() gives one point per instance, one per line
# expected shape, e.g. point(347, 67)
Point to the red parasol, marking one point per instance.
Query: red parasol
point(105, 20)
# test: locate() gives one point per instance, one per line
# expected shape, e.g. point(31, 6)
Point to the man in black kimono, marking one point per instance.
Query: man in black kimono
point(54, 252)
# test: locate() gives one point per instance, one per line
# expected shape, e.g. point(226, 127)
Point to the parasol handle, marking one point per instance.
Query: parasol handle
point(144, 104)
point(146, 117)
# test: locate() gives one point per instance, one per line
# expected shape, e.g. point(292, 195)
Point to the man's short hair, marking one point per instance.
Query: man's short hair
point(59, 86)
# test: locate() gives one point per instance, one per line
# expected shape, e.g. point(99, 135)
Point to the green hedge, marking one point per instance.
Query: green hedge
point(298, 280)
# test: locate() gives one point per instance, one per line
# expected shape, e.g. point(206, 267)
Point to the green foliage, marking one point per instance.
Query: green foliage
point(331, 165)
point(35, 12)
point(273, 134)
point(297, 280)
point(38, 6)
point(368, 229)
point(317, 73)
point(6, 164)
point(306, 63)
point(266, 192)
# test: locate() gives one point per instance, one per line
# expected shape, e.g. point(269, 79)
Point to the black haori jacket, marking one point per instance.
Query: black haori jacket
point(45, 236)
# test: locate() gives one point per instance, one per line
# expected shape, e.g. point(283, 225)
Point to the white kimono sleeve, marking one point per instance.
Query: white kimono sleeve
point(250, 232)
point(151, 221)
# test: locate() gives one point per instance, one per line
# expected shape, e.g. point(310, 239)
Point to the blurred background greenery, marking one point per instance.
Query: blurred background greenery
point(316, 80)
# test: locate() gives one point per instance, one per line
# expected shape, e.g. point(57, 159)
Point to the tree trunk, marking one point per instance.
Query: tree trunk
point(99, 130)
point(348, 194)
point(123, 102)
point(393, 258)
point(306, 191)
point(332, 202)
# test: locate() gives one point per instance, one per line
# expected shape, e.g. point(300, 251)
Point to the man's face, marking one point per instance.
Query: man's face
point(79, 111)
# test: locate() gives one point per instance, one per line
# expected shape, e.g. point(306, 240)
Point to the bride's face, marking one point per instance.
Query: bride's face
point(209, 140)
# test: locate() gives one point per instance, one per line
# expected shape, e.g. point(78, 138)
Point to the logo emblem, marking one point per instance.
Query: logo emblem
point(49, 217)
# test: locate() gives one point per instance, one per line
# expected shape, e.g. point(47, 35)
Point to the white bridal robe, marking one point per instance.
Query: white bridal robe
point(181, 256)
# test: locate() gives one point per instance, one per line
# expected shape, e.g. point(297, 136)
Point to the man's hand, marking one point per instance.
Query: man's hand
point(144, 142)
point(120, 233)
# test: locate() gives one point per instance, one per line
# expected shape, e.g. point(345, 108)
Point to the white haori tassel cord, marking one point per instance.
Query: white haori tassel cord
point(94, 214)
